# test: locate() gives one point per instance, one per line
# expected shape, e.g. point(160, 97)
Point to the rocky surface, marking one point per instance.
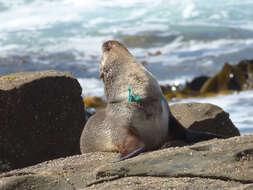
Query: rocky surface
point(215, 164)
point(41, 117)
point(204, 117)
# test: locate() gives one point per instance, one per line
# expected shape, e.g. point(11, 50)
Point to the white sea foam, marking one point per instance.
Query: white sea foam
point(36, 15)
point(129, 18)
point(40, 14)
point(190, 10)
point(91, 86)
point(175, 81)
point(213, 48)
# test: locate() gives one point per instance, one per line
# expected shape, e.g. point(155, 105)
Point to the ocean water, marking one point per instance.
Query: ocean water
point(195, 37)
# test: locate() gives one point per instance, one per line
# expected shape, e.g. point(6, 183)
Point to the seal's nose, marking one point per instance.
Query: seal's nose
point(107, 46)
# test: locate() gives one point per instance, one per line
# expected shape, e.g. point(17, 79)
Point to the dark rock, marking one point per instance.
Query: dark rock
point(41, 117)
point(231, 77)
point(247, 67)
point(204, 117)
point(215, 164)
point(197, 83)
point(217, 161)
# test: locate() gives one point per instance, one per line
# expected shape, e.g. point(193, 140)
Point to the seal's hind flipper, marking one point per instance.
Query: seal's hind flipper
point(130, 146)
point(132, 154)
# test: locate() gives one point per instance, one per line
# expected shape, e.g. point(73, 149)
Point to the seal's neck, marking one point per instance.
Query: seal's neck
point(116, 81)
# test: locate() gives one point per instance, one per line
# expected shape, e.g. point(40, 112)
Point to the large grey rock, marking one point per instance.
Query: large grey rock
point(160, 183)
point(204, 117)
point(230, 159)
point(41, 117)
point(215, 164)
point(35, 182)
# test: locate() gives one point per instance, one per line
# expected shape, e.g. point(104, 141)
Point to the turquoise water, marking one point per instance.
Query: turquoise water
point(195, 37)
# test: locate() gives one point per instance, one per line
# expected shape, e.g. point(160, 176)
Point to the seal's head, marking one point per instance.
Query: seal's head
point(115, 49)
point(114, 55)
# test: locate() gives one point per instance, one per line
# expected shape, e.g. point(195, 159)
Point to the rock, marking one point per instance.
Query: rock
point(173, 183)
point(214, 164)
point(247, 67)
point(231, 77)
point(204, 117)
point(198, 82)
point(35, 182)
point(227, 160)
point(41, 117)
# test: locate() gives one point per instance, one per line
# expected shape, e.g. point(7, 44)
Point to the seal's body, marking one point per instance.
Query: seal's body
point(131, 127)
point(126, 127)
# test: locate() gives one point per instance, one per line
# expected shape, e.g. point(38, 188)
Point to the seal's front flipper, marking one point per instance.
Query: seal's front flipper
point(131, 146)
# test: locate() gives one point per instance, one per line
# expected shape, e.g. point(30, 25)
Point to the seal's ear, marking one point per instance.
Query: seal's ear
point(102, 75)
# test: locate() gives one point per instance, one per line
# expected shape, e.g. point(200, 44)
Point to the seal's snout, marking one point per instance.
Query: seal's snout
point(107, 46)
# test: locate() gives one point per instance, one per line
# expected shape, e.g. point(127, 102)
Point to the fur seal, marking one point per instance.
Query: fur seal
point(130, 127)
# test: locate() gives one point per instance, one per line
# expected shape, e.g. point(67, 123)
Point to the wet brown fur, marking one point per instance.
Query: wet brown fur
point(124, 126)
point(131, 127)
